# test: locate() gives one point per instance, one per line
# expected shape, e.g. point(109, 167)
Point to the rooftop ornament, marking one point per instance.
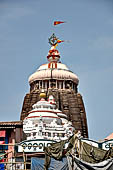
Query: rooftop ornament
point(53, 55)
point(53, 40)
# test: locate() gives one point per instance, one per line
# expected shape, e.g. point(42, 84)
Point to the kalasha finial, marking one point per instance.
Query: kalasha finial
point(53, 40)
point(54, 55)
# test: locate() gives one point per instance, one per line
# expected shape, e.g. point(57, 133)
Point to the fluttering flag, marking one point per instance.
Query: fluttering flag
point(59, 41)
point(58, 22)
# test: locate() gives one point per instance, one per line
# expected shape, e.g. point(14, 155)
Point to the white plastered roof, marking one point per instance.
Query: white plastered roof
point(59, 73)
point(59, 66)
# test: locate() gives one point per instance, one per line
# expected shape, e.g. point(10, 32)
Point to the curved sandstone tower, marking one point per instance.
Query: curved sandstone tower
point(55, 78)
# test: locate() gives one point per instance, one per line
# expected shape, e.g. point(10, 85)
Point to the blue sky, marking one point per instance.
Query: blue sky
point(25, 27)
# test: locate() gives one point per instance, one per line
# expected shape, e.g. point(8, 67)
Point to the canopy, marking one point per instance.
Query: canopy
point(38, 164)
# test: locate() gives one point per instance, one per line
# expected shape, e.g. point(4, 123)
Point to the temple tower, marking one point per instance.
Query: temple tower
point(55, 78)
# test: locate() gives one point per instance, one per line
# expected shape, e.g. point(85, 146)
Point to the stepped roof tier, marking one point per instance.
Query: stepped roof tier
point(44, 121)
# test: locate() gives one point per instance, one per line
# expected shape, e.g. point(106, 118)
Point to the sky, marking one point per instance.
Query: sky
point(25, 27)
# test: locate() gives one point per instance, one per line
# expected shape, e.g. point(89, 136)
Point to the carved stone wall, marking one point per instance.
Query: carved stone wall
point(70, 102)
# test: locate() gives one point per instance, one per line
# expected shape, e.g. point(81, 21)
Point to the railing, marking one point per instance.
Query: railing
point(9, 160)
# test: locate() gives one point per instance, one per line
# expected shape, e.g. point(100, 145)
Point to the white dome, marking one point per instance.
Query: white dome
point(59, 73)
point(43, 105)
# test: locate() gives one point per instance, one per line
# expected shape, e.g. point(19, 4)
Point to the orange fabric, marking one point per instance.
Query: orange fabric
point(59, 41)
point(58, 22)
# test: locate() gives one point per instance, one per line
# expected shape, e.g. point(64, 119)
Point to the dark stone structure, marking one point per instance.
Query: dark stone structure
point(54, 78)
point(70, 102)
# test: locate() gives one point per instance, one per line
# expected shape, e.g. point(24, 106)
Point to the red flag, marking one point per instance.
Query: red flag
point(59, 41)
point(58, 22)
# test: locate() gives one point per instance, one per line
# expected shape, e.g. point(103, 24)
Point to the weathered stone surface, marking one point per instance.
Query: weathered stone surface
point(70, 102)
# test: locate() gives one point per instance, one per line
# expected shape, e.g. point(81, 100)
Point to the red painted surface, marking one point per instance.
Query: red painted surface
point(2, 133)
point(43, 111)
